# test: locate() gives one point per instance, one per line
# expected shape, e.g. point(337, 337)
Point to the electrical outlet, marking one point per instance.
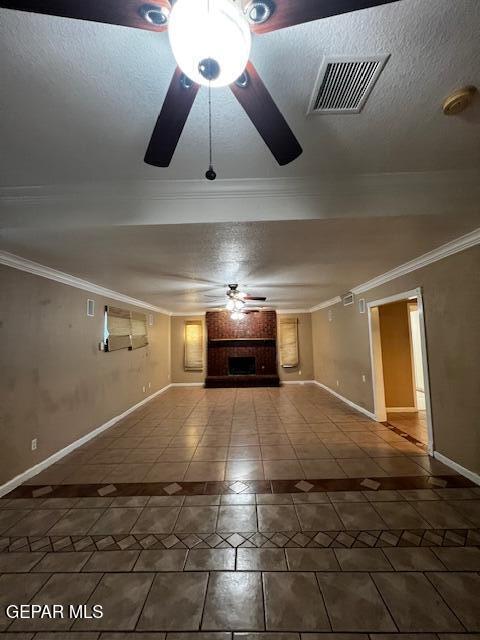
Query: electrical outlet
point(300, 372)
point(338, 383)
point(149, 385)
point(364, 377)
point(144, 388)
point(34, 444)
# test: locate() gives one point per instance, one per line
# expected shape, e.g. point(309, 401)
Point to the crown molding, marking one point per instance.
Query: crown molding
point(450, 248)
point(22, 264)
point(327, 303)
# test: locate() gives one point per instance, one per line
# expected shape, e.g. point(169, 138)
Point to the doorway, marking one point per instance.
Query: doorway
point(399, 364)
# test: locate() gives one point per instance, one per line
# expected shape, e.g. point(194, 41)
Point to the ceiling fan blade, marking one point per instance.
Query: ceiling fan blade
point(265, 115)
point(286, 13)
point(178, 102)
point(151, 15)
point(259, 298)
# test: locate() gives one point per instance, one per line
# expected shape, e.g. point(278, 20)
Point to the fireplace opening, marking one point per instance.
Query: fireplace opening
point(241, 366)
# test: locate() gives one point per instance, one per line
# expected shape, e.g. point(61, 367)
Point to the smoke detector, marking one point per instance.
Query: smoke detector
point(458, 101)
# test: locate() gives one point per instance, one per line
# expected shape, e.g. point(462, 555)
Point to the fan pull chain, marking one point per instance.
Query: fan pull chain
point(210, 174)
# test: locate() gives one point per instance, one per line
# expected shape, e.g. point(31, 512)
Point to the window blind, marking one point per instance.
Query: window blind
point(193, 345)
point(118, 328)
point(139, 330)
point(288, 330)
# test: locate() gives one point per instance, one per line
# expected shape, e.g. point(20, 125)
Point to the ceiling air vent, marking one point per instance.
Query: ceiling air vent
point(344, 84)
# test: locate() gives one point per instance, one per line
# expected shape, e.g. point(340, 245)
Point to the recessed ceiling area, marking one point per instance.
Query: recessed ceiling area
point(371, 191)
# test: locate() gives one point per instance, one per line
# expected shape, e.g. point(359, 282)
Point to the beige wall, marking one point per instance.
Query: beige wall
point(177, 331)
point(56, 384)
point(452, 316)
point(396, 355)
point(304, 371)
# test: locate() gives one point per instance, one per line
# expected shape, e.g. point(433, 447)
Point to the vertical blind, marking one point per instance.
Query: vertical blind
point(288, 330)
point(193, 345)
point(125, 329)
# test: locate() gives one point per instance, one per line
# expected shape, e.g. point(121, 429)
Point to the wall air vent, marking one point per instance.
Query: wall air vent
point(344, 84)
point(90, 308)
point(347, 299)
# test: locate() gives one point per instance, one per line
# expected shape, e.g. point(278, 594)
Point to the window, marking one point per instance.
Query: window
point(124, 329)
point(193, 345)
point(288, 334)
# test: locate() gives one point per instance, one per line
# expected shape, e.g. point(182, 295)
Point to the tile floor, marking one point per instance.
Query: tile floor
point(197, 435)
point(266, 514)
point(415, 424)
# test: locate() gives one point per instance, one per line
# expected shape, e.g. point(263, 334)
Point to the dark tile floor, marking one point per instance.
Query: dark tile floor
point(332, 527)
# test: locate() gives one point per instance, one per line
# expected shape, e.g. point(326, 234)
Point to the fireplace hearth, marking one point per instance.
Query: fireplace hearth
point(241, 366)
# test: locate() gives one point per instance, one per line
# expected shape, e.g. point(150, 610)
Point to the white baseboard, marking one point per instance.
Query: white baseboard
point(41, 466)
point(402, 409)
point(471, 475)
point(187, 384)
point(357, 407)
point(297, 381)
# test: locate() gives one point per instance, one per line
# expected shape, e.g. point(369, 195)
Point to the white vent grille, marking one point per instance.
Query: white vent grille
point(90, 308)
point(344, 84)
point(347, 299)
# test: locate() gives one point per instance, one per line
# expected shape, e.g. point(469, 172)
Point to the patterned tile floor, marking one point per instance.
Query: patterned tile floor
point(332, 526)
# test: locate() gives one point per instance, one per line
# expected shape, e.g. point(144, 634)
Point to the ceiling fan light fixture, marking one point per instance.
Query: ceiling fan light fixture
point(236, 315)
point(210, 40)
point(258, 12)
point(154, 14)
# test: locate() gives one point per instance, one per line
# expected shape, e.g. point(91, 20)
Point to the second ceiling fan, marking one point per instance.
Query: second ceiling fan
point(211, 41)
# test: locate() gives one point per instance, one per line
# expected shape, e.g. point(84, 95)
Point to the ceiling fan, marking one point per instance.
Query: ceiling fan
point(237, 299)
point(211, 41)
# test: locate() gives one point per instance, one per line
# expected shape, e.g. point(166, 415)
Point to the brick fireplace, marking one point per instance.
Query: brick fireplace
point(242, 353)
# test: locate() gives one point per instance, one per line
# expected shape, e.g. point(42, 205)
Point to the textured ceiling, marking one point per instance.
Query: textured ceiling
point(183, 268)
point(78, 103)
point(79, 100)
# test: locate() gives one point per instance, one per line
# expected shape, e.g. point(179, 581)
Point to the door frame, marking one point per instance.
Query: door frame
point(376, 357)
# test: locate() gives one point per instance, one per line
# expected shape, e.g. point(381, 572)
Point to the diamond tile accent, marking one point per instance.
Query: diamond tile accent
point(83, 543)
point(18, 543)
point(105, 542)
point(304, 486)
point(191, 541)
point(213, 540)
point(148, 542)
point(105, 491)
point(371, 484)
point(367, 538)
point(279, 539)
point(62, 543)
point(43, 491)
point(323, 539)
point(235, 540)
point(238, 487)
point(127, 542)
point(170, 541)
point(345, 539)
point(172, 488)
point(411, 538)
point(388, 539)
point(437, 482)
point(301, 539)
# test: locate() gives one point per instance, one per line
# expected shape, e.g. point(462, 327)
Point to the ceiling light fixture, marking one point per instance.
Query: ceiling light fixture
point(236, 315)
point(210, 40)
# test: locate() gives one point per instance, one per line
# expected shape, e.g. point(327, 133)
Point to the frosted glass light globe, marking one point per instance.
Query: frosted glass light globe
point(216, 30)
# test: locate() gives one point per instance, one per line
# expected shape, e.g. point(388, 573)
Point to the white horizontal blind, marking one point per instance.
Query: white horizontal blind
point(288, 330)
point(119, 328)
point(193, 345)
